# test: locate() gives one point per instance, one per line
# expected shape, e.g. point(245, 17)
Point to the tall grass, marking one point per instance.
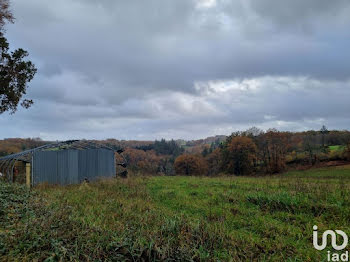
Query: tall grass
point(176, 218)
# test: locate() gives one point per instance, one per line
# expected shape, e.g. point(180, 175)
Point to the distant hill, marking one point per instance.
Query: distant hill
point(207, 141)
point(15, 145)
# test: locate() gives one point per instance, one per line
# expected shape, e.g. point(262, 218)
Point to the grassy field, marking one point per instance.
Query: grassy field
point(336, 148)
point(176, 218)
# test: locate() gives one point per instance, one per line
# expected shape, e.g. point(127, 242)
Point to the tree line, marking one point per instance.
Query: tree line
point(251, 152)
point(256, 152)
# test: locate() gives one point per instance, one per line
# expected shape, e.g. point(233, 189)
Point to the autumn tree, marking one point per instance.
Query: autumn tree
point(14, 145)
point(15, 71)
point(324, 131)
point(190, 165)
point(311, 147)
point(273, 148)
point(214, 161)
point(240, 155)
point(253, 132)
point(141, 161)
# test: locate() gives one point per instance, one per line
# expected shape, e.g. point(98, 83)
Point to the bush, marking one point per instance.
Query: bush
point(336, 155)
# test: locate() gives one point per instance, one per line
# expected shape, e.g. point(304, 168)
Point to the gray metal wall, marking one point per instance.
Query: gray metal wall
point(96, 163)
point(72, 166)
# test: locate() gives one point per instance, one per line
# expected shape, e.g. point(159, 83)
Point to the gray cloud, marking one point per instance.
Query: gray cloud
point(131, 69)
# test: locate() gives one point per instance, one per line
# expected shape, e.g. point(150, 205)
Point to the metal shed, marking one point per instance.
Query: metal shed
point(63, 163)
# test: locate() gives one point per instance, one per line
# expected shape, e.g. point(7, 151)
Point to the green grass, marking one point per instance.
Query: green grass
point(176, 218)
point(338, 148)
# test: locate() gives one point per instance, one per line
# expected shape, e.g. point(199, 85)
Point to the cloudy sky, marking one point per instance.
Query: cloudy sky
point(181, 69)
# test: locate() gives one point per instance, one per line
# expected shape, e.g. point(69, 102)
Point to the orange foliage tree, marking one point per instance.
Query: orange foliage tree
point(240, 155)
point(145, 162)
point(190, 165)
point(15, 145)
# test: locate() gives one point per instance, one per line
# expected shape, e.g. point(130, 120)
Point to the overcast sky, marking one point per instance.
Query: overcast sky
point(181, 69)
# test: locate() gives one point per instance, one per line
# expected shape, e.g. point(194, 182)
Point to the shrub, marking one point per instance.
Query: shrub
point(336, 155)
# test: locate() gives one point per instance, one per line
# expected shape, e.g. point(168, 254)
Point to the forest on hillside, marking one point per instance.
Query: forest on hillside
point(250, 152)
